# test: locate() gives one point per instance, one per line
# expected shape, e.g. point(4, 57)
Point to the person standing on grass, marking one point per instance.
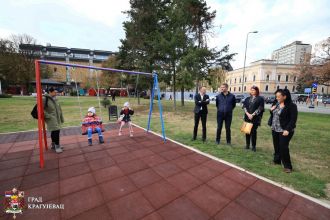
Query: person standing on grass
point(125, 117)
point(225, 103)
point(283, 120)
point(254, 108)
point(201, 102)
point(53, 118)
point(113, 96)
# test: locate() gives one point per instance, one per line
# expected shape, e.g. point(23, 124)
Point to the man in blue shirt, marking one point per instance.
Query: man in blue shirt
point(225, 102)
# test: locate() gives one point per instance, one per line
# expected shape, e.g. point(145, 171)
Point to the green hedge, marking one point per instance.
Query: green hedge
point(5, 96)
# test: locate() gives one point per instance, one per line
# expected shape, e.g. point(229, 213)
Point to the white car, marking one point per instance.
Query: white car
point(319, 98)
point(212, 97)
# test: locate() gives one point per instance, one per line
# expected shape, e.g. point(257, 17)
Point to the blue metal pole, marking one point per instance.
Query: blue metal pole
point(92, 67)
point(160, 106)
point(151, 104)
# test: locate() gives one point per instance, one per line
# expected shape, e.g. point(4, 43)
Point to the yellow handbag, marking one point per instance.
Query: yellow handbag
point(246, 127)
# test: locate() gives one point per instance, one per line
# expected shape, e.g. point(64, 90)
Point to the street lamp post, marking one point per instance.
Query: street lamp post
point(246, 43)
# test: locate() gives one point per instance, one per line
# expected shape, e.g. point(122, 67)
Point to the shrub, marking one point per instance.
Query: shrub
point(105, 102)
point(5, 96)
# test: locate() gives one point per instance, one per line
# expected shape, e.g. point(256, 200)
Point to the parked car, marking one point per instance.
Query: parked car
point(240, 98)
point(302, 98)
point(270, 100)
point(212, 97)
point(326, 100)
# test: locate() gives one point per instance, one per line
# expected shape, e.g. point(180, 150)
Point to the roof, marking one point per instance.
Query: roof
point(64, 49)
point(48, 82)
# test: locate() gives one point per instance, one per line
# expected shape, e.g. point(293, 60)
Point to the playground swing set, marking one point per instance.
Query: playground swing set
point(42, 135)
point(85, 125)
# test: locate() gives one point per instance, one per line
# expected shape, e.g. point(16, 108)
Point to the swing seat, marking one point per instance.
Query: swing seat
point(86, 125)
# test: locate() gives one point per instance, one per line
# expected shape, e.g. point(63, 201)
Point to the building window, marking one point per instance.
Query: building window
point(266, 89)
point(279, 78)
point(81, 56)
point(240, 80)
point(294, 79)
point(235, 80)
point(101, 57)
point(293, 88)
point(322, 89)
point(229, 88)
point(254, 78)
point(239, 89)
point(267, 78)
point(244, 88)
point(245, 79)
point(285, 87)
point(234, 89)
point(278, 87)
point(230, 81)
point(286, 78)
point(56, 54)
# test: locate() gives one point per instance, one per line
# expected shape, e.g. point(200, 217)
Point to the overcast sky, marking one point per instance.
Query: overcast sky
point(97, 24)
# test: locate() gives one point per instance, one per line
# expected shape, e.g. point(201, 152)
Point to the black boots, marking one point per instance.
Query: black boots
point(101, 141)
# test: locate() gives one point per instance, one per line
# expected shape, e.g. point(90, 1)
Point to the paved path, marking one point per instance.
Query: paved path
point(140, 178)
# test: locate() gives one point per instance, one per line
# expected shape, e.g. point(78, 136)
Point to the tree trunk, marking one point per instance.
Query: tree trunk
point(174, 89)
point(138, 97)
point(182, 95)
point(197, 82)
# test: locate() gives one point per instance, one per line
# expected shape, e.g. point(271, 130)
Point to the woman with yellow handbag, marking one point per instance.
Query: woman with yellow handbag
point(253, 107)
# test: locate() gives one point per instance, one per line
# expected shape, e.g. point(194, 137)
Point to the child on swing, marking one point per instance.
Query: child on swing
point(125, 117)
point(93, 124)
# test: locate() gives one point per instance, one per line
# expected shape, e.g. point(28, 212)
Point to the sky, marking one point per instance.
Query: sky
point(97, 24)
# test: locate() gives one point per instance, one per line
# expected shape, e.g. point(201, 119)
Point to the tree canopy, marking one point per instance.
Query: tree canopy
point(169, 36)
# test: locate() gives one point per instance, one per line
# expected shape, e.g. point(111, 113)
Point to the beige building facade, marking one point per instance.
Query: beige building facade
point(265, 74)
point(268, 76)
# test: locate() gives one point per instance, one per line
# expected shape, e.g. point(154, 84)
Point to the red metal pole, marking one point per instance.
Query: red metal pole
point(40, 112)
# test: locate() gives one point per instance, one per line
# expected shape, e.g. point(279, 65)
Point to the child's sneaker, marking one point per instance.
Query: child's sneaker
point(101, 141)
point(119, 133)
point(90, 142)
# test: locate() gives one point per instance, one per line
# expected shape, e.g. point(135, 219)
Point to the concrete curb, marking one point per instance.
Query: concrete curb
point(244, 170)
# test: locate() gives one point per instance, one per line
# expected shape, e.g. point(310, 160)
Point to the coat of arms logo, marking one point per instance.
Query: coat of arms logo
point(14, 202)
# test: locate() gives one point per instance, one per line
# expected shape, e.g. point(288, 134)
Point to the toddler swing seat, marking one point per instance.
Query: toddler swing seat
point(86, 125)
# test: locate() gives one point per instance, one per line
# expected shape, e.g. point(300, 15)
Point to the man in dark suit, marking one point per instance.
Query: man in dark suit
point(225, 103)
point(201, 102)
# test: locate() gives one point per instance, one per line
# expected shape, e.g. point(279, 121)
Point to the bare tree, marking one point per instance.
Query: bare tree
point(16, 64)
point(318, 69)
point(321, 60)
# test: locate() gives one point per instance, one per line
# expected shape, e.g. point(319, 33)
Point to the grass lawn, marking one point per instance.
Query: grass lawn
point(310, 148)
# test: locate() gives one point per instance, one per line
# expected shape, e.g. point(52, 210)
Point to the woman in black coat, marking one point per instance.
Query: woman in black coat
point(283, 120)
point(253, 107)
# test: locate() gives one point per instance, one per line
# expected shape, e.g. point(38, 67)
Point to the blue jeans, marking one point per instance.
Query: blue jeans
point(90, 132)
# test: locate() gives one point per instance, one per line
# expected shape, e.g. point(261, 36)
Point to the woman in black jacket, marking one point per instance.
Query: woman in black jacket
point(283, 120)
point(253, 107)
